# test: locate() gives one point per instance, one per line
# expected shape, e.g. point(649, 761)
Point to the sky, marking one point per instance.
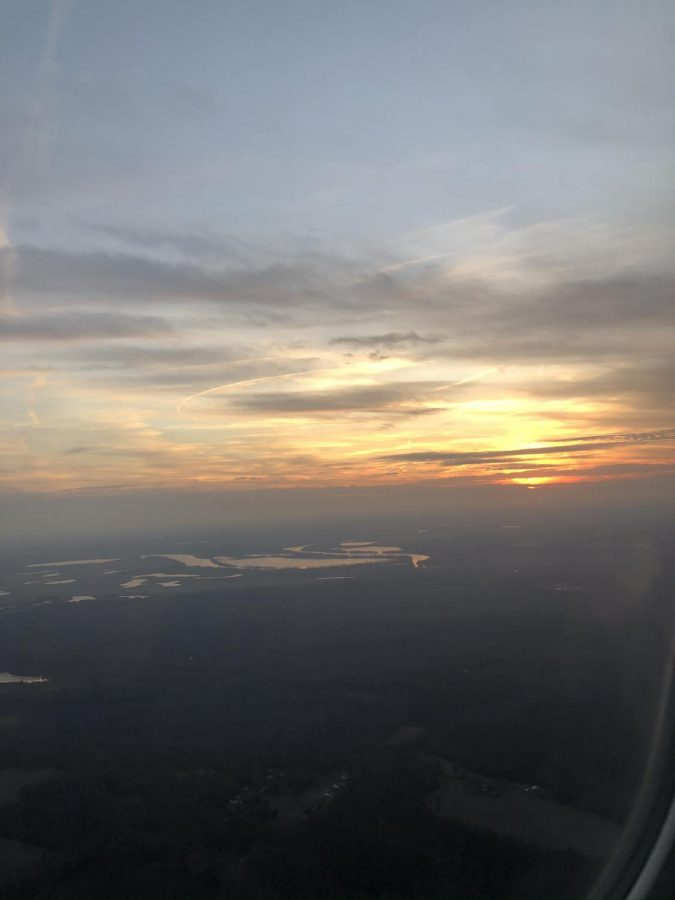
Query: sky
point(277, 244)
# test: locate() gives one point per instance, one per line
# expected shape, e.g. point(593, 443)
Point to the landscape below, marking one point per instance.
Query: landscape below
point(464, 717)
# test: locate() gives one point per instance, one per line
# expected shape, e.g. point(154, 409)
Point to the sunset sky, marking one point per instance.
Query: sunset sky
point(270, 244)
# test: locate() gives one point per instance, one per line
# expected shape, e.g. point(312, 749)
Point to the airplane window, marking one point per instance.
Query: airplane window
point(338, 449)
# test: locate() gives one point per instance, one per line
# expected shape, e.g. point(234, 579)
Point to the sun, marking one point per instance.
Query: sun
point(536, 481)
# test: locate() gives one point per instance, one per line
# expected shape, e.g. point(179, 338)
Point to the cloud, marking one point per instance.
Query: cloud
point(474, 457)
point(74, 451)
point(80, 325)
point(203, 379)
point(150, 356)
point(627, 319)
point(579, 446)
point(644, 300)
point(392, 339)
point(576, 349)
point(508, 300)
point(650, 385)
point(127, 277)
point(624, 437)
point(199, 245)
point(614, 470)
point(390, 398)
point(571, 320)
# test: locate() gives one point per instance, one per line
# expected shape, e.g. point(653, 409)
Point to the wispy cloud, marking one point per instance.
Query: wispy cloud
point(382, 374)
point(76, 326)
point(130, 278)
point(394, 397)
point(205, 245)
point(475, 457)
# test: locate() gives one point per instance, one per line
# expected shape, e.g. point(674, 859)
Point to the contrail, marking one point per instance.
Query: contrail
point(414, 262)
point(476, 377)
point(249, 381)
point(464, 221)
point(469, 378)
point(244, 383)
point(31, 142)
point(264, 378)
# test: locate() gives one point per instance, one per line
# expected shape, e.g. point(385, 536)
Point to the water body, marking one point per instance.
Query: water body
point(297, 562)
point(138, 580)
point(347, 554)
point(368, 547)
point(8, 678)
point(176, 575)
point(70, 562)
point(317, 560)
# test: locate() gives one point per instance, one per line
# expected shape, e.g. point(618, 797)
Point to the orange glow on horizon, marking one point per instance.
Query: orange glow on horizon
point(336, 419)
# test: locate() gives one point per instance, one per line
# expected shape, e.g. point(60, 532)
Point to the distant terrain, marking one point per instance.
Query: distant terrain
point(466, 716)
